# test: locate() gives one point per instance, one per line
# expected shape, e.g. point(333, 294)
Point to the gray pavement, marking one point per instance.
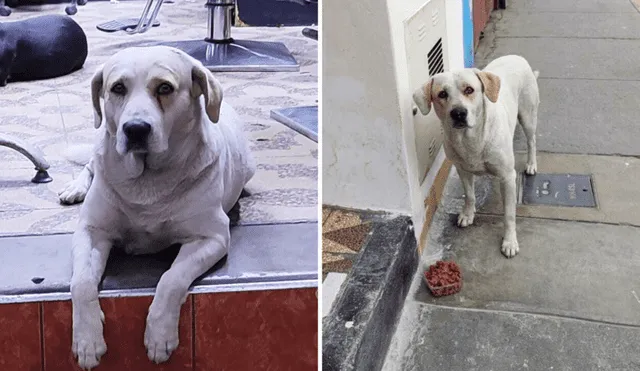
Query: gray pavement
point(587, 53)
point(578, 270)
point(571, 299)
point(471, 340)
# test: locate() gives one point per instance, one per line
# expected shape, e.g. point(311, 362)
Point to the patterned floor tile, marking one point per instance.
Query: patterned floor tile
point(340, 263)
point(343, 235)
point(326, 212)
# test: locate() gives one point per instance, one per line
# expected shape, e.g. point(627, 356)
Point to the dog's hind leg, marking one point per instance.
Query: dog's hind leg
point(529, 121)
point(528, 117)
point(468, 212)
point(76, 190)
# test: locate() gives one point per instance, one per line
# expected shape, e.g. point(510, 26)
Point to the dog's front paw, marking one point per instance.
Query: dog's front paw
point(465, 219)
point(73, 192)
point(88, 342)
point(531, 169)
point(161, 337)
point(510, 247)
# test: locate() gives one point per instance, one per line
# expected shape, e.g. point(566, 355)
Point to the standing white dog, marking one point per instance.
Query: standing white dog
point(479, 111)
point(163, 173)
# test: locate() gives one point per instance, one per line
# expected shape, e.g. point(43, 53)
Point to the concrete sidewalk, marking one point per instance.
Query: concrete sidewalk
point(571, 299)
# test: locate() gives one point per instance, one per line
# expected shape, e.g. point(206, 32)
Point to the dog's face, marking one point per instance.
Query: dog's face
point(151, 94)
point(458, 96)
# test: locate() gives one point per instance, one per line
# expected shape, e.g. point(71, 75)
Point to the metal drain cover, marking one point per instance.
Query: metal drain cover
point(558, 190)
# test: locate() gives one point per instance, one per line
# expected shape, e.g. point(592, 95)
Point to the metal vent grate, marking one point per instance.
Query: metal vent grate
point(558, 190)
point(435, 60)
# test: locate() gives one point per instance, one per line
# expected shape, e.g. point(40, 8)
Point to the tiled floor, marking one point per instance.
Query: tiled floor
point(54, 114)
point(343, 234)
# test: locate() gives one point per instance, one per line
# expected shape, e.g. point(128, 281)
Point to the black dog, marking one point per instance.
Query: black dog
point(41, 48)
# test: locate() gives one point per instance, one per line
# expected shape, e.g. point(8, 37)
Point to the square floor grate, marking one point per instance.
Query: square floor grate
point(574, 190)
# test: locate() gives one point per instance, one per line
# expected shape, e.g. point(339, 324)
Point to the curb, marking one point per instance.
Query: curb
point(358, 329)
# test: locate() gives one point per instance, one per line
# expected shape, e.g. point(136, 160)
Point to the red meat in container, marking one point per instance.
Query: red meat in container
point(443, 278)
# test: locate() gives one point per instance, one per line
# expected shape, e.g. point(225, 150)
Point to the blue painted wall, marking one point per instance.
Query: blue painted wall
point(467, 32)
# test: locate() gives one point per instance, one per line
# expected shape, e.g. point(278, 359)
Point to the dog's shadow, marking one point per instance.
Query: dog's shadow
point(234, 213)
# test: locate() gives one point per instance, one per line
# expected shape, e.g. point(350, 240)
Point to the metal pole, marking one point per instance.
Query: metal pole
point(219, 22)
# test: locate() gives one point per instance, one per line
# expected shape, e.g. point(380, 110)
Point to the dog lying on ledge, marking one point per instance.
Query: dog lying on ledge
point(41, 47)
point(171, 163)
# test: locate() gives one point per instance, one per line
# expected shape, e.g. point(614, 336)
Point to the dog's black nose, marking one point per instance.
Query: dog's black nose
point(459, 114)
point(136, 130)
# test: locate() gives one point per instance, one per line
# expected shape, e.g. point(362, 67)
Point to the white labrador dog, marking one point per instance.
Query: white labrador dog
point(171, 163)
point(479, 111)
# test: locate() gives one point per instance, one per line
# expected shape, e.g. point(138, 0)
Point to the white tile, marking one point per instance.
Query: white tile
point(330, 288)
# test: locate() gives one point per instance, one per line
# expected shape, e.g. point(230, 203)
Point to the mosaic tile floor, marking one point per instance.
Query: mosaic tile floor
point(53, 114)
point(343, 235)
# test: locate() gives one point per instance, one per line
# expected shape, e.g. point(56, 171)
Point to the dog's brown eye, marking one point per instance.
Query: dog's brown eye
point(165, 89)
point(469, 90)
point(443, 95)
point(119, 88)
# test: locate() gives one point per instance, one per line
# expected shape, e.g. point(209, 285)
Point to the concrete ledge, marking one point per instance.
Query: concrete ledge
point(358, 329)
point(262, 257)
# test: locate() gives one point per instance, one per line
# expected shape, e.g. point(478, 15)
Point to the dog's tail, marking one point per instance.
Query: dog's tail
point(536, 73)
point(79, 154)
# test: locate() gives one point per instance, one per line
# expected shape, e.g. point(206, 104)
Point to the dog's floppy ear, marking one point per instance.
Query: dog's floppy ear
point(206, 84)
point(490, 84)
point(422, 97)
point(96, 93)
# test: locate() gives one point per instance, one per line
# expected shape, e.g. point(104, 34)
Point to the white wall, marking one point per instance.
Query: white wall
point(363, 161)
point(369, 156)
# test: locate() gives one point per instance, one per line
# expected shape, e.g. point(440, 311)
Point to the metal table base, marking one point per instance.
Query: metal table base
point(219, 52)
point(239, 55)
point(303, 119)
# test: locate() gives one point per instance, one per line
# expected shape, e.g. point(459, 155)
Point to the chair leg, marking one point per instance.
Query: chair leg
point(32, 153)
point(5, 11)
point(310, 33)
point(132, 25)
point(72, 8)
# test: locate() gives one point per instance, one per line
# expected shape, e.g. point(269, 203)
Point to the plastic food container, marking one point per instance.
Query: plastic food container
point(443, 278)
